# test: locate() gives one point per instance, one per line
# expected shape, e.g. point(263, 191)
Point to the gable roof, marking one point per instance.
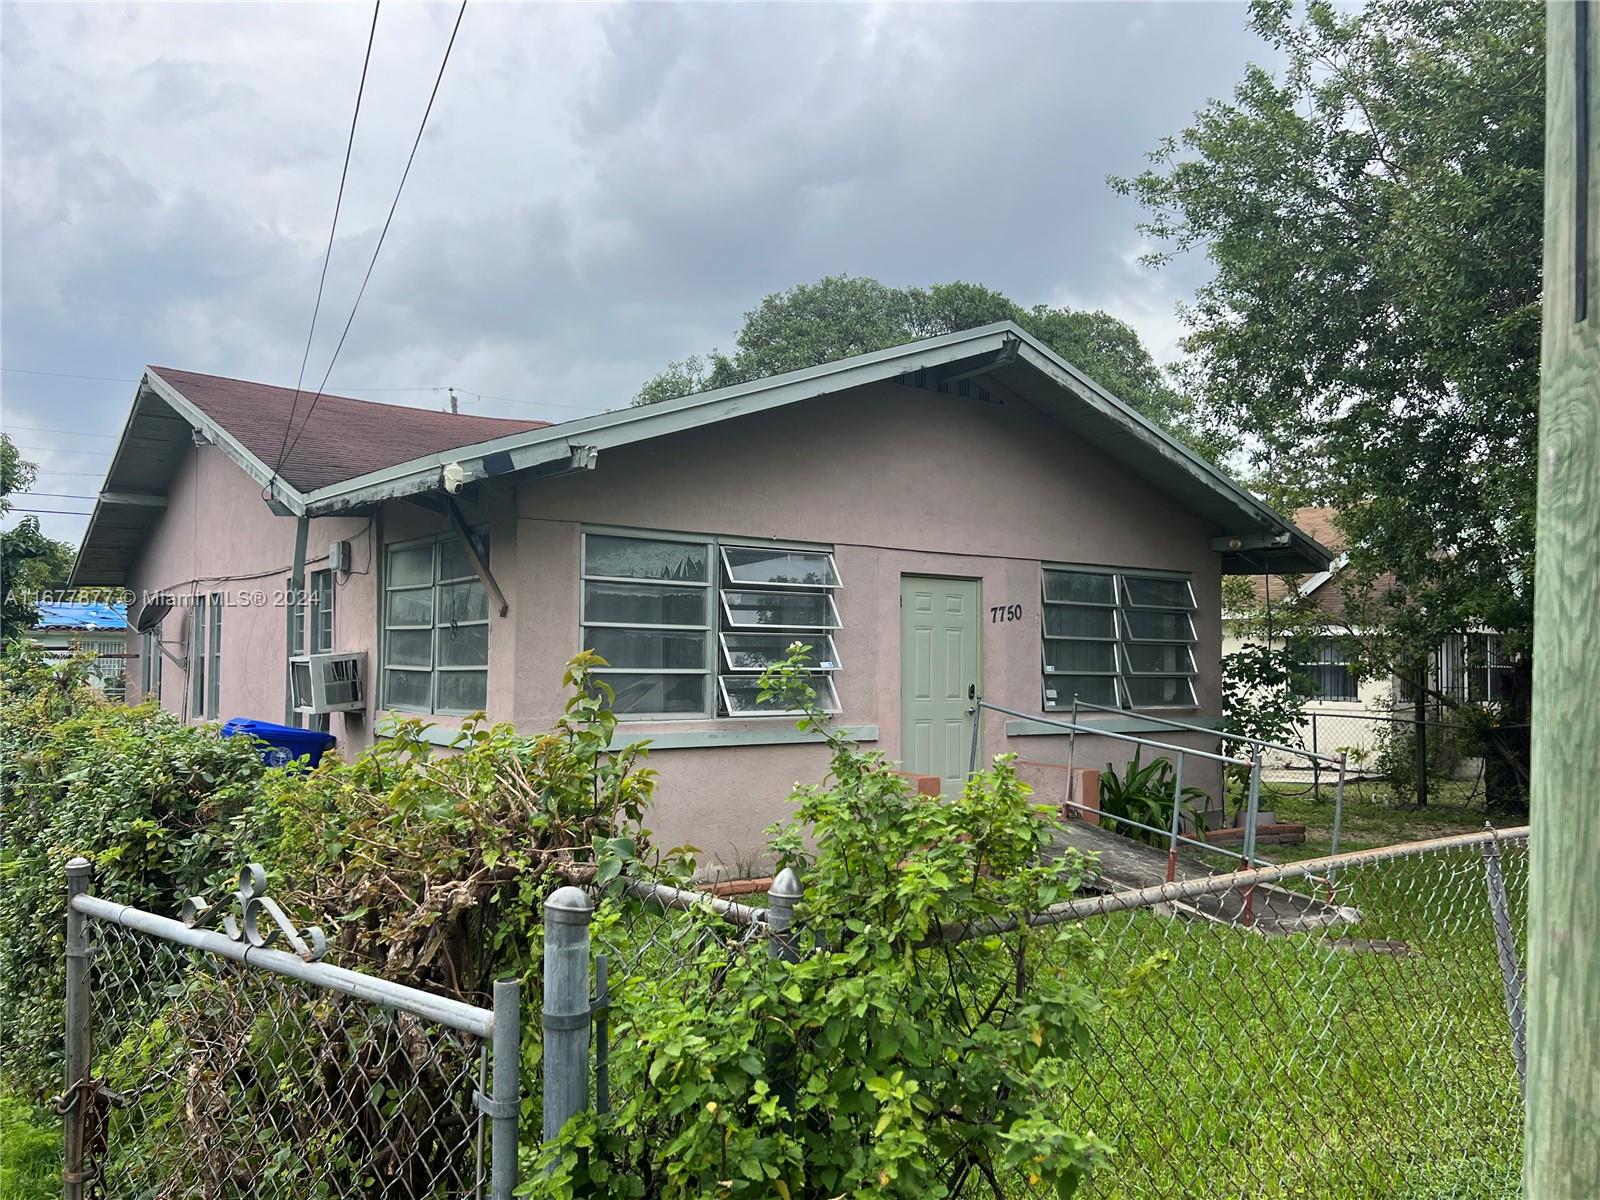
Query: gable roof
point(342, 439)
point(1327, 588)
point(337, 439)
point(1251, 535)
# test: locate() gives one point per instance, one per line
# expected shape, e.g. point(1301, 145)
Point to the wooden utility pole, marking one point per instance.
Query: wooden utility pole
point(1562, 1149)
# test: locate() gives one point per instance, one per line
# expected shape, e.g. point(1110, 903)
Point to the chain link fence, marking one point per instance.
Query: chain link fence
point(1344, 1028)
point(205, 1073)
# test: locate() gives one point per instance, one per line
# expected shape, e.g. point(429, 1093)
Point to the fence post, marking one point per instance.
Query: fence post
point(566, 1006)
point(1505, 945)
point(75, 1097)
point(782, 897)
point(506, 1103)
point(1316, 764)
point(1338, 820)
point(1177, 801)
point(1252, 812)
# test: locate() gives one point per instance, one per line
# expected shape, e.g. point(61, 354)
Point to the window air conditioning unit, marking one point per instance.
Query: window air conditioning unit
point(325, 683)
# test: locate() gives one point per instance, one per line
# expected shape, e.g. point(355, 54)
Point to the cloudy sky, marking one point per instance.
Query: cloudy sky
point(601, 189)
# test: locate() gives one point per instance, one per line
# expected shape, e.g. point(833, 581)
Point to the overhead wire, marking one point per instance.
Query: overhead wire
point(327, 256)
point(382, 234)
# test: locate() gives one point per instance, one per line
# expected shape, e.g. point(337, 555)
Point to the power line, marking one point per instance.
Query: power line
point(65, 375)
point(384, 232)
point(87, 474)
point(327, 256)
point(57, 495)
point(65, 450)
point(72, 432)
point(59, 512)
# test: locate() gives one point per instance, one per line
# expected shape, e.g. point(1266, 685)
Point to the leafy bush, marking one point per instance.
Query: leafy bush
point(888, 1058)
point(30, 1151)
point(1143, 793)
point(143, 795)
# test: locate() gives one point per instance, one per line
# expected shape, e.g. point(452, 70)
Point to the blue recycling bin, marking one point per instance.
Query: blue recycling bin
point(281, 744)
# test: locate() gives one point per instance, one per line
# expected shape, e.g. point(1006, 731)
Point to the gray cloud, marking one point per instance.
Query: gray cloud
point(601, 189)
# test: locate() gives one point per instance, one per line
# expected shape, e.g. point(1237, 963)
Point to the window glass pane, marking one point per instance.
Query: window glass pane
point(658, 693)
point(1080, 656)
point(640, 558)
point(408, 567)
point(406, 689)
point(1078, 587)
point(462, 691)
point(645, 604)
point(780, 608)
point(1096, 689)
point(1146, 692)
point(758, 651)
point(453, 560)
point(411, 607)
point(1156, 593)
point(462, 602)
point(1079, 622)
point(739, 692)
point(463, 645)
point(811, 568)
point(409, 648)
point(1156, 659)
point(322, 612)
point(648, 648)
point(1159, 626)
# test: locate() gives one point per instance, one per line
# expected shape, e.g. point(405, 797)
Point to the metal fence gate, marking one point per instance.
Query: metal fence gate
point(204, 1064)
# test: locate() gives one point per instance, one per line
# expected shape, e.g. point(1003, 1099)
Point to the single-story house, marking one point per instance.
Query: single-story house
point(963, 517)
point(1350, 713)
point(65, 628)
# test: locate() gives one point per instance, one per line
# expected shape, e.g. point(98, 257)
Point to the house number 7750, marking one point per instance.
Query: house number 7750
point(1004, 612)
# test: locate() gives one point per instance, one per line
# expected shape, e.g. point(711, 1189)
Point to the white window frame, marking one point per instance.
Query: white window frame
point(1124, 676)
point(321, 613)
point(214, 668)
point(718, 670)
point(197, 657)
point(437, 542)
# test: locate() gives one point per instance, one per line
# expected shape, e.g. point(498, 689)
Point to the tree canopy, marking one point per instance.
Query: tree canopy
point(29, 561)
point(842, 315)
point(1370, 339)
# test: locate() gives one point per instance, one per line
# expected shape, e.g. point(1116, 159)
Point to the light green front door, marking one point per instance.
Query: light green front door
point(939, 668)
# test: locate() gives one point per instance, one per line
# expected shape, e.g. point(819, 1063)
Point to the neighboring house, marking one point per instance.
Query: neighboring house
point(1350, 713)
point(65, 629)
point(962, 517)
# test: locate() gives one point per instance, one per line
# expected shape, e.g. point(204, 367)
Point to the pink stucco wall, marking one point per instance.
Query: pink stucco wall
point(217, 536)
point(897, 480)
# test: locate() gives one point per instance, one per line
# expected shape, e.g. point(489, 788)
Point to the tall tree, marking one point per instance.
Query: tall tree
point(1371, 336)
point(842, 315)
point(29, 561)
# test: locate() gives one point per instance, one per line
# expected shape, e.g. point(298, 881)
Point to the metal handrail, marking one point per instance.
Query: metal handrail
point(1213, 847)
point(1075, 727)
point(1173, 723)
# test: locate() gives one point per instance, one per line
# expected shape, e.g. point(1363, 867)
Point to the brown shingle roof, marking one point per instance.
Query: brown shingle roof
point(344, 437)
point(1330, 596)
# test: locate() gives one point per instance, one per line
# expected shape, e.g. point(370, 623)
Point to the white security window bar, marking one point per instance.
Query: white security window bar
point(671, 615)
point(1329, 669)
point(435, 627)
point(1119, 638)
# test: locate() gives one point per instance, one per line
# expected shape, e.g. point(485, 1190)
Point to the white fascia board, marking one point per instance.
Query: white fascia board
point(1313, 582)
point(227, 443)
point(644, 422)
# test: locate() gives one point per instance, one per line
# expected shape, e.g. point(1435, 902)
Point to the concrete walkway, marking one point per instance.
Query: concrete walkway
point(1124, 864)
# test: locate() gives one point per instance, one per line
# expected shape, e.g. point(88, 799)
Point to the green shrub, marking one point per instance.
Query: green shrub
point(886, 1059)
point(147, 798)
point(30, 1151)
point(1143, 793)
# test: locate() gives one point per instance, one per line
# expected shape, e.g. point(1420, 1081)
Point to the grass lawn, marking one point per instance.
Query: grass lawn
point(1370, 1060)
point(30, 1151)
